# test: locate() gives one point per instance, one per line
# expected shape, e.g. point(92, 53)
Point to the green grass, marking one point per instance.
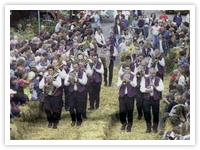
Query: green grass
point(102, 124)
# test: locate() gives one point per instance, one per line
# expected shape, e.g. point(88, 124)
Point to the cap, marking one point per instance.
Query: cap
point(20, 81)
point(185, 65)
point(12, 91)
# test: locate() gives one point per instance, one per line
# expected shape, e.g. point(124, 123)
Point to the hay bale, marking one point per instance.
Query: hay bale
point(31, 111)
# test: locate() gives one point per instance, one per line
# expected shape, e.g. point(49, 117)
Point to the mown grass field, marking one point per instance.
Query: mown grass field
point(102, 124)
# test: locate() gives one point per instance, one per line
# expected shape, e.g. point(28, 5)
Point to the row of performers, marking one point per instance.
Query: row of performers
point(86, 77)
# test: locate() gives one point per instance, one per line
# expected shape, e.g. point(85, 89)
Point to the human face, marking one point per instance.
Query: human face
point(152, 73)
point(107, 42)
point(95, 58)
point(127, 70)
point(80, 58)
point(55, 62)
point(76, 67)
point(50, 71)
point(11, 95)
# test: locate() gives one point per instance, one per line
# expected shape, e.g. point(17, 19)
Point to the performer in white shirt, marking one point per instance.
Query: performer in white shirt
point(127, 91)
point(152, 88)
point(53, 96)
point(76, 81)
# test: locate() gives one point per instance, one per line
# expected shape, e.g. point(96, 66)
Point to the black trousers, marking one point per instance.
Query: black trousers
point(84, 102)
point(76, 100)
point(126, 107)
point(154, 105)
point(110, 72)
point(53, 108)
point(66, 97)
point(94, 94)
point(140, 102)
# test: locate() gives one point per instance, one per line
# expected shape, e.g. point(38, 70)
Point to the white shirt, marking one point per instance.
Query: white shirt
point(82, 81)
point(133, 83)
point(122, 46)
point(119, 30)
point(161, 62)
point(57, 83)
point(101, 70)
point(115, 52)
point(182, 81)
point(159, 88)
point(100, 38)
point(161, 48)
point(126, 14)
point(155, 30)
point(57, 28)
point(187, 19)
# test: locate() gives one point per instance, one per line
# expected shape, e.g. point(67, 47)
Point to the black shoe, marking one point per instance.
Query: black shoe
point(90, 108)
point(50, 124)
point(148, 128)
point(123, 127)
point(155, 128)
point(105, 84)
point(96, 107)
point(73, 123)
point(109, 85)
point(139, 117)
point(55, 125)
point(79, 123)
point(84, 116)
point(129, 128)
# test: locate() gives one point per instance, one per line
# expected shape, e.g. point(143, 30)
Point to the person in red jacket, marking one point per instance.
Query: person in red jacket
point(163, 16)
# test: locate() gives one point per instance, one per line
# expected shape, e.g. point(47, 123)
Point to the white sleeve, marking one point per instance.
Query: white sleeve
point(68, 53)
point(134, 82)
point(41, 84)
point(135, 71)
point(120, 71)
point(160, 87)
point(66, 80)
point(98, 38)
point(152, 52)
point(103, 39)
point(101, 70)
point(57, 83)
point(62, 74)
point(162, 62)
point(71, 68)
point(83, 81)
point(119, 82)
point(88, 70)
point(149, 64)
point(115, 52)
point(142, 86)
point(181, 81)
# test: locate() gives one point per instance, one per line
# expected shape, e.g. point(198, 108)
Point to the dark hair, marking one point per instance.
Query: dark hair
point(95, 55)
point(154, 15)
point(25, 49)
point(126, 65)
point(19, 74)
point(50, 67)
point(128, 57)
point(75, 63)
